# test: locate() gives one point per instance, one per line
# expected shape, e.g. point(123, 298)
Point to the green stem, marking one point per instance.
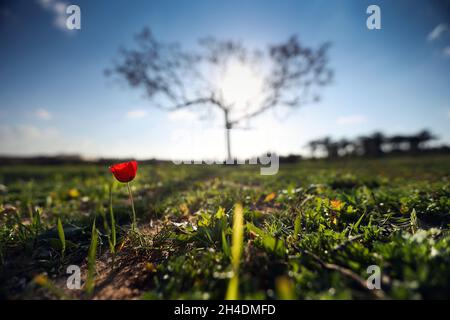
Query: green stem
point(133, 225)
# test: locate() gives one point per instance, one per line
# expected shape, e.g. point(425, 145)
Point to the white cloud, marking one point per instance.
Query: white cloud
point(22, 139)
point(137, 114)
point(43, 114)
point(27, 132)
point(58, 8)
point(437, 32)
point(351, 119)
point(25, 140)
point(181, 115)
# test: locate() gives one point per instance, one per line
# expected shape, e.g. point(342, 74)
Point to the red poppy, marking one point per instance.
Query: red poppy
point(125, 171)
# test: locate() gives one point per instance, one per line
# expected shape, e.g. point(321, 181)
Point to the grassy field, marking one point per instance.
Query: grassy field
point(309, 232)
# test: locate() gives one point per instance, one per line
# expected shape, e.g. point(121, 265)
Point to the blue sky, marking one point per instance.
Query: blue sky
point(54, 97)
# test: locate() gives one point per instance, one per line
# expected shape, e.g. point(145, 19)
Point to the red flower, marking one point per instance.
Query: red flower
point(125, 171)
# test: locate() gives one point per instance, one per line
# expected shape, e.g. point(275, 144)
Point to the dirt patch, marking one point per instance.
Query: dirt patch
point(128, 277)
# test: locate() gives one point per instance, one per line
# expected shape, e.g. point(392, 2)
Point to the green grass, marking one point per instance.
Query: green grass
point(236, 252)
point(91, 260)
point(62, 237)
point(309, 232)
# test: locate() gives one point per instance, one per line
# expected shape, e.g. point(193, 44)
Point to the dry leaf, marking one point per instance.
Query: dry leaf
point(270, 197)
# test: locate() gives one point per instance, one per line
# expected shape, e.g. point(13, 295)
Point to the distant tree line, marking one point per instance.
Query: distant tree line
point(67, 160)
point(376, 145)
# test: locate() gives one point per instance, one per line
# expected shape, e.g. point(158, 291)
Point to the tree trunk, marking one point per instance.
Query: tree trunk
point(227, 136)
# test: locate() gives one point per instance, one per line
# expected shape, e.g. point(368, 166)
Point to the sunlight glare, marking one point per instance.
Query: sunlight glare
point(241, 86)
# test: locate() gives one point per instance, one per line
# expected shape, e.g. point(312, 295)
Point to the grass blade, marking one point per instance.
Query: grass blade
point(225, 245)
point(62, 237)
point(36, 225)
point(223, 222)
point(92, 253)
point(236, 252)
point(113, 242)
point(413, 222)
point(297, 226)
point(269, 242)
point(356, 225)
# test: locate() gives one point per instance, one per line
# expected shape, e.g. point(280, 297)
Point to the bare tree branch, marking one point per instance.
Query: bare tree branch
point(292, 75)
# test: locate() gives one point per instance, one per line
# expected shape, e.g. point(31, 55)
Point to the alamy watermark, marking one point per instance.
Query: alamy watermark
point(196, 141)
point(73, 21)
point(374, 280)
point(270, 163)
point(373, 22)
point(74, 278)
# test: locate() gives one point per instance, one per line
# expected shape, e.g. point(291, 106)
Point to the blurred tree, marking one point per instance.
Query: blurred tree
point(224, 75)
point(332, 147)
point(313, 145)
point(326, 145)
point(375, 145)
point(397, 143)
point(416, 142)
point(372, 145)
point(343, 147)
